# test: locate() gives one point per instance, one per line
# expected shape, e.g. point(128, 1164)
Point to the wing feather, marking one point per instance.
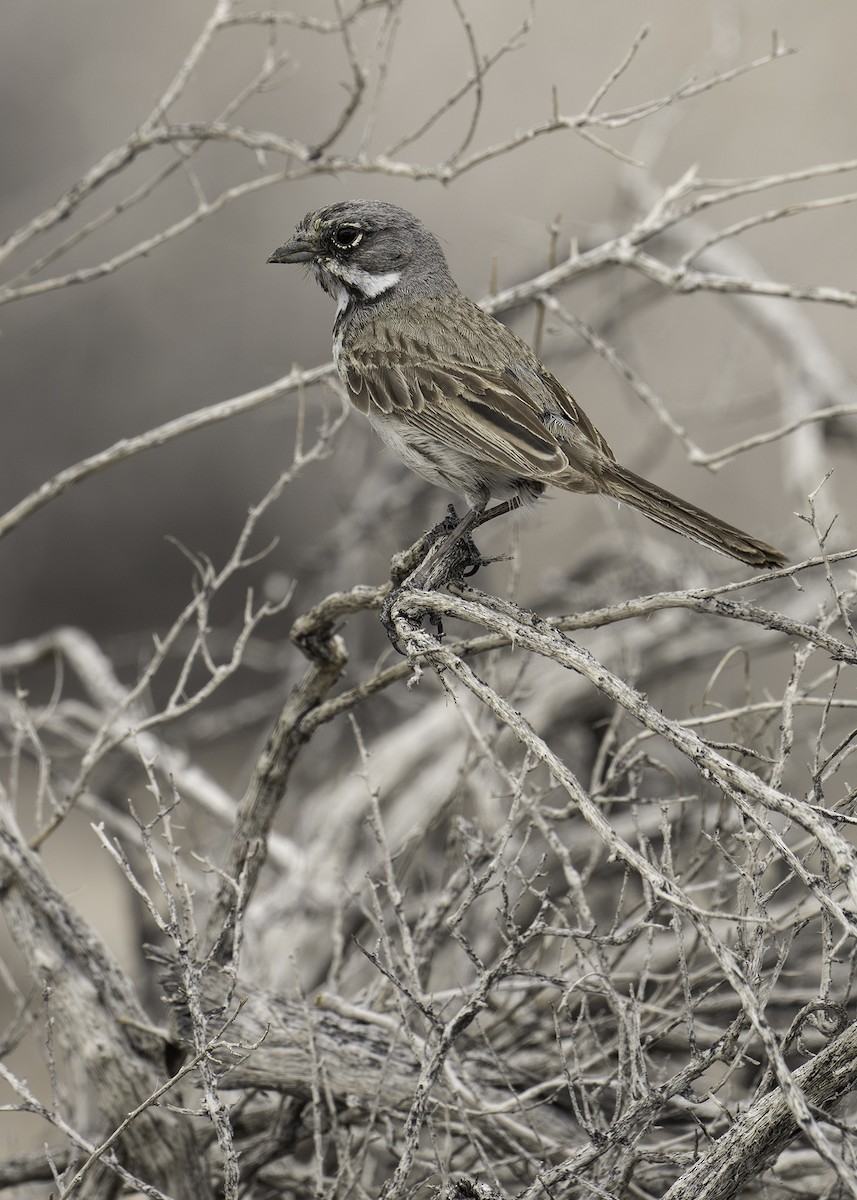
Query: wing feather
point(476, 387)
point(466, 409)
point(571, 411)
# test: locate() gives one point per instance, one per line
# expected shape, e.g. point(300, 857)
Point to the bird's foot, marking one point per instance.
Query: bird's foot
point(404, 563)
point(448, 557)
point(456, 574)
point(446, 563)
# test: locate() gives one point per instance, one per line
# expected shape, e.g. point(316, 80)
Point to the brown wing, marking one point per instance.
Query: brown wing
point(475, 410)
point(457, 374)
point(582, 434)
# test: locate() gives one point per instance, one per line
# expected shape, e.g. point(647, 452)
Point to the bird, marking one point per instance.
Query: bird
point(459, 396)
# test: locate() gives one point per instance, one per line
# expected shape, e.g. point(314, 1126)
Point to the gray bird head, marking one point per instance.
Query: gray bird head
point(360, 250)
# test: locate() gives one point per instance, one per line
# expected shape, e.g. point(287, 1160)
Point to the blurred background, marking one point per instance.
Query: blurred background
point(203, 317)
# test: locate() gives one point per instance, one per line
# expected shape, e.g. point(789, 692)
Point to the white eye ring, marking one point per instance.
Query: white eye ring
point(349, 244)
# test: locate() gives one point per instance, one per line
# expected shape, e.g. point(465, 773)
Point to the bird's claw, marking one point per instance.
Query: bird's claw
point(460, 562)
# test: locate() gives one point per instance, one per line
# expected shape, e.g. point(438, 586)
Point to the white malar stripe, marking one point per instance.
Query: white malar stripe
point(369, 285)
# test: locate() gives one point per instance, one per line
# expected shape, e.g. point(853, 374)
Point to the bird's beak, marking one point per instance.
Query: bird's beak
point(298, 250)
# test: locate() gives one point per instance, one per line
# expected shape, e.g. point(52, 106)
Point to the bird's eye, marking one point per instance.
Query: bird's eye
point(347, 237)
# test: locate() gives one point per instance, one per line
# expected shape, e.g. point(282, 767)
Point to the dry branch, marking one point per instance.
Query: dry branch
point(531, 923)
point(100, 1029)
point(762, 1133)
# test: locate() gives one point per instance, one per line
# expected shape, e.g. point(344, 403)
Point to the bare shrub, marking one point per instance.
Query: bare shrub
point(560, 904)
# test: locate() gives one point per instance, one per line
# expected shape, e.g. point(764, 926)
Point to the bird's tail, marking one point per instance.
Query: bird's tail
point(681, 517)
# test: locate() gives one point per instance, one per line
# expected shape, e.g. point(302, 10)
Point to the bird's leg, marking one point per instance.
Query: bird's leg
point(489, 514)
point(436, 568)
point(440, 552)
point(499, 510)
point(478, 515)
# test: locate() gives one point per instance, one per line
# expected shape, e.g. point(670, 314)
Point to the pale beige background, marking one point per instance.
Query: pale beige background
point(205, 317)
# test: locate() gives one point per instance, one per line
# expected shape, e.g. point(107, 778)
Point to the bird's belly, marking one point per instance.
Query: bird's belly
point(421, 453)
point(441, 464)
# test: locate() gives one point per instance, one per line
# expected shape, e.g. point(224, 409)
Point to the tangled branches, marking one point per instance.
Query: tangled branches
point(562, 903)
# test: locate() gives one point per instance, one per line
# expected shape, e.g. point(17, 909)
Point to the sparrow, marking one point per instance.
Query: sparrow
point(459, 396)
